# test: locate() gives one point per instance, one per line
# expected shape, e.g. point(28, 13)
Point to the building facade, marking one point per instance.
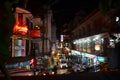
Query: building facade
point(95, 35)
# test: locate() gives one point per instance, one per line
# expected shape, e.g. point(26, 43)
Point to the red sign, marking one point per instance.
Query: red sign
point(34, 62)
point(35, 33)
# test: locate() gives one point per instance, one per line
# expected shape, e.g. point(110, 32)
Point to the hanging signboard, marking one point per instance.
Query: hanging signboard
point(35, 33)
point(20, 29)
point(19, 48)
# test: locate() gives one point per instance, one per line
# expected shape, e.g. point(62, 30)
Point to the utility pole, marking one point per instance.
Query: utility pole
point(43, 43)
point(43, 28)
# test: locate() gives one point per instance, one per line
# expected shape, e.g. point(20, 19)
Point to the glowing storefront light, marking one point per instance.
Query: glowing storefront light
point(97, 47)
point(35, 33)
point(117, 19)
point(20, 29)
point(62, 38)
point(74, 43)
point(77, 52)
point(90, 55)
point(19, 47)
point(83, 54)
point(101, 59)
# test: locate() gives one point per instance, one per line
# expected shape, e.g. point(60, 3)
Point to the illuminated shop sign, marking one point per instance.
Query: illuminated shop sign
point(61, 38)
point(35, 33)
point(20, 29)
point(101, 59)
point(90, 55)
point(83, 54)
point(97, 47)
point(19, 47)
point(74, 52)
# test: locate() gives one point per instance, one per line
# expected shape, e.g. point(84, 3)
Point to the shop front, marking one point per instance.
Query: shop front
point(85, 58)
point(20, 52)
point(92, 49)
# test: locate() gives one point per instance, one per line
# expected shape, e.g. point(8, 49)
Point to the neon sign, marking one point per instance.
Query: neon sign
point(20, 29)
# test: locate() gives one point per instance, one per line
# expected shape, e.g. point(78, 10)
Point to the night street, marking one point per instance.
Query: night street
point(60, 40)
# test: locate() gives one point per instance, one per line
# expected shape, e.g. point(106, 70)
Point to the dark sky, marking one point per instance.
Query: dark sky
point(64, 10)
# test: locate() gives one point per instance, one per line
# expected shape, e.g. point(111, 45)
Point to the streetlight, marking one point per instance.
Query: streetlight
point(117, 19)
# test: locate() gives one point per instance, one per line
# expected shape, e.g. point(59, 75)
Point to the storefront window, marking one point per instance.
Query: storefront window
point(97, 45)
point(81, 47)
point(112, 43)
point(19, 47)
point(89, 47)
point(85, 47)
point(92, 47)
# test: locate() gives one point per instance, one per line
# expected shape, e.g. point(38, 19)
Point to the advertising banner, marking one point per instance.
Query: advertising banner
point(19, 47)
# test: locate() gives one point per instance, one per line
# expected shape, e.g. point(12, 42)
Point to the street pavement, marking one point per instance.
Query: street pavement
point(91, 76)
point(62, 71)
point(18, 72)
point(25, 72)
point(112, 75)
